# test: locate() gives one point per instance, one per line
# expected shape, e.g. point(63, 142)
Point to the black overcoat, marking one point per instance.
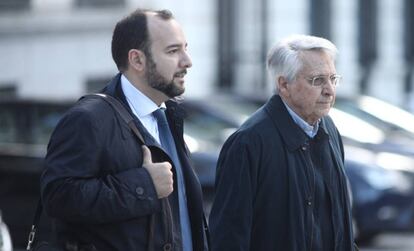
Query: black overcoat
point(95, 188)
point(262, 188)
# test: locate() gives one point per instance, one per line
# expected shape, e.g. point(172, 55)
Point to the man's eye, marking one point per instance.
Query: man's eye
point(318, 81)
point(172, 51)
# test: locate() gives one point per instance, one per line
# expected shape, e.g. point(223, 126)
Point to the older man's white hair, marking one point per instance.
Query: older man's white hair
point(284, 59)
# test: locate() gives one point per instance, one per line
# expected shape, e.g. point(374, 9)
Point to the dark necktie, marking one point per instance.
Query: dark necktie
point(168, 144)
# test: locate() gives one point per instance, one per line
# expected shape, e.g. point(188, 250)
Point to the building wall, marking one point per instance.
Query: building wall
point(345, 37)
point(52, 49)
point(388, 76)
point(292, 17)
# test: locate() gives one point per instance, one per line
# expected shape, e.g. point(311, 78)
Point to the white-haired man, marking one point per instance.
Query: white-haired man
point(280, 178)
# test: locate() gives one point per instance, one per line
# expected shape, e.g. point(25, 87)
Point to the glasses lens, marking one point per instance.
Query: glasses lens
point(335, 79)
point(318, 81)
point(322, 80)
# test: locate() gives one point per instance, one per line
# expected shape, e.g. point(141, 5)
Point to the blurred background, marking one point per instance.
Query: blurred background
point(54, 51)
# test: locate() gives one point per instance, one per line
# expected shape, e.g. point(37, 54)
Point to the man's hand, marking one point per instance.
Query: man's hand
point(161, 173)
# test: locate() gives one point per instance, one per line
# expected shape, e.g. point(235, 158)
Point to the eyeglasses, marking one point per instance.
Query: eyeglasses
point(322, 80)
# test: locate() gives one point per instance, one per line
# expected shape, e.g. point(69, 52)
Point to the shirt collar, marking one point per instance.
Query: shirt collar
point(311, 131)
point(140, 104)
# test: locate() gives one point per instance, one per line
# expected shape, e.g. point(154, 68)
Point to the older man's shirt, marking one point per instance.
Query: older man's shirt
point(308, 129)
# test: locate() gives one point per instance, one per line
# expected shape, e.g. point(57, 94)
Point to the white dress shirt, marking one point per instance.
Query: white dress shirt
point(142, 107)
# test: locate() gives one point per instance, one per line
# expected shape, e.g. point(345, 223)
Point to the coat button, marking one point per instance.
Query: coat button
point(167, 247)
point(139, 190)
point(304, 148)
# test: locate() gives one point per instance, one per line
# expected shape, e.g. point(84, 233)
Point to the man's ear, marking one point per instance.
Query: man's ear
point(136, 59)
point(282, 83)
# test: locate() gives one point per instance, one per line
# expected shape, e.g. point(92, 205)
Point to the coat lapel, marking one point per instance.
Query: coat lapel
point(292, 135)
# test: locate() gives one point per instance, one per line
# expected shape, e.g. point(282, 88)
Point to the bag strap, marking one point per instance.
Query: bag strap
point(127, 118)
point(35, 223)
point(125, 115)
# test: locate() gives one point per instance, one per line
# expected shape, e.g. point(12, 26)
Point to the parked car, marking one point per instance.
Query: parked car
point(25, 127)
point(382, 190)
point(392, 147)
point(379, 112)
point(391, 128)
point(5, 240)
point(383, 198)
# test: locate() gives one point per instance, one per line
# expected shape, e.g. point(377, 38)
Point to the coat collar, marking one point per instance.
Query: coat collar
point(292, 134)
point(114, 89)
point(175, 113)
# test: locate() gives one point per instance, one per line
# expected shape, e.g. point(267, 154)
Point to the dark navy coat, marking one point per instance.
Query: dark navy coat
point(96, 189)
point(262, 193)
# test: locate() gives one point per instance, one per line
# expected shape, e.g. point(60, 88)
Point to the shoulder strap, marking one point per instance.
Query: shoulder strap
point(36, 219)
point(126, 117)
point(117, 106)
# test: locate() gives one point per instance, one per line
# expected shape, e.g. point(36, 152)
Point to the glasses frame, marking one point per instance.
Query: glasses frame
point(333, 79)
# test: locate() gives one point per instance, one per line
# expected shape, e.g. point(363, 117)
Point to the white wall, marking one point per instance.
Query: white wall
point(198, 19)
point(345, 37)
point(388, 77)
point(292, 17)
point(51, 50)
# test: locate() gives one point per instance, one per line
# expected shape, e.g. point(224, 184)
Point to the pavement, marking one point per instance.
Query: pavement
point(384, 242)
point(392, 242)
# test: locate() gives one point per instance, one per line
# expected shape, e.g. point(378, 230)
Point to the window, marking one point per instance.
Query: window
point(8, 130)
point(11, 5)
point(408, 31)
point(367, 40)
point(99, 3)
point(320, 17)
point(29, 122)
point(226, 35)
point(408, 47)
point(8, 91)
point(96, 84)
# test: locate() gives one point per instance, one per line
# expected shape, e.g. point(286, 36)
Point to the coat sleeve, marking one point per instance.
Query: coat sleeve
point(73, 185)
point(232, 212)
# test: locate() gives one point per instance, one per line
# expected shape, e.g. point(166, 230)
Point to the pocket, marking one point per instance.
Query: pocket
point(45, 246)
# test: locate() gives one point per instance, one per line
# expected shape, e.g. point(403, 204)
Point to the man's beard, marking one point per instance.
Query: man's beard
point(158, 82)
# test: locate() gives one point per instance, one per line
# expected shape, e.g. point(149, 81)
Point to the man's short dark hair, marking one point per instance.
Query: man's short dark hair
point(132, 33)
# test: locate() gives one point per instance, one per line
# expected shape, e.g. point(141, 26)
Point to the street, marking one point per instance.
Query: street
point(392, 242)
point(384, 242)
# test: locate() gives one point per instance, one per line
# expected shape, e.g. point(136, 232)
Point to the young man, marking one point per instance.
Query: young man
point(105, 191)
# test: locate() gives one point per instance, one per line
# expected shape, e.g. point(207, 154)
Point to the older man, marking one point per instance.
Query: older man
point(280, 178)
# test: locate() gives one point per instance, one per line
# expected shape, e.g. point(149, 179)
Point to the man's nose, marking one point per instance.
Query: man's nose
point(329, 87)
point(185, 60)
